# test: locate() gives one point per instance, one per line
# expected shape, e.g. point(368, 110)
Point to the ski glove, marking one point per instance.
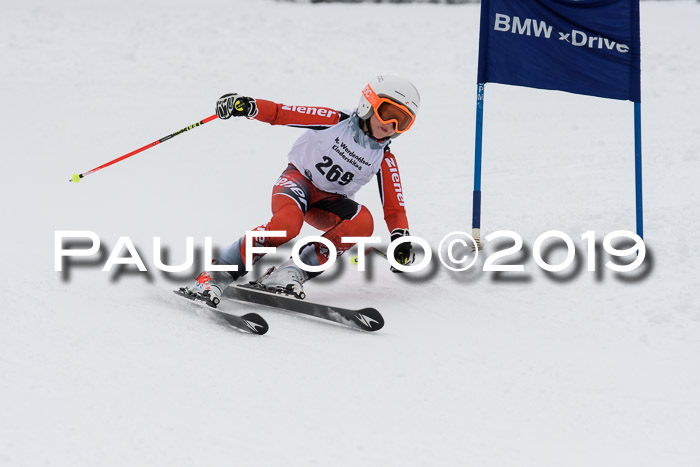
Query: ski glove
point(403, 253)
point(233, 105)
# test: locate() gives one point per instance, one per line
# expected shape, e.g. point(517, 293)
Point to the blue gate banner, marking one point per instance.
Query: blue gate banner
point(587, 47)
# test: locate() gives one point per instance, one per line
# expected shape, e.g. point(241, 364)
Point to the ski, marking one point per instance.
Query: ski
point(252, 322)
point(366, 319)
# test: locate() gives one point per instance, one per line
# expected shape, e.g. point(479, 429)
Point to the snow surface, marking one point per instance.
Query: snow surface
point(105, 369)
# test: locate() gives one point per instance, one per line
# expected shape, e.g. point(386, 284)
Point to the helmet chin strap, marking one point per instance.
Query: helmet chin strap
point(367, 128)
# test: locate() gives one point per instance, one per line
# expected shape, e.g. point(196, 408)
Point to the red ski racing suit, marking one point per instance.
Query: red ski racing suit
point(328, 164)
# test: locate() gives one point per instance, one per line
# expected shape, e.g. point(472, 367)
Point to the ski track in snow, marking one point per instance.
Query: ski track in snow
point(105, 369)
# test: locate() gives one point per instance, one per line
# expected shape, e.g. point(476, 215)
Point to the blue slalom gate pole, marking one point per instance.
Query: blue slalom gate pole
point(476, 201)
point(638, 166)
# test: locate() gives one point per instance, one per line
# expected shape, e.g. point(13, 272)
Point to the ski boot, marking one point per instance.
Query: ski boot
point(287, 279)
point(208, 287)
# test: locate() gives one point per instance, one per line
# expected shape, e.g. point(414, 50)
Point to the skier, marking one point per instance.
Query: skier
point(339, 153)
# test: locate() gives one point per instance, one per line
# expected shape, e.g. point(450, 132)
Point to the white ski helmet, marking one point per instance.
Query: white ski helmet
point(392, 87)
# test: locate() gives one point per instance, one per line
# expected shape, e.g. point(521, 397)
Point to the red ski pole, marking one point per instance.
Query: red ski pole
point(76, 177)
point(371, 249)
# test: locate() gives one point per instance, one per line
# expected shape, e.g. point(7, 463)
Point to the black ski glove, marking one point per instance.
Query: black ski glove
point(403, 253)
point(233, 105)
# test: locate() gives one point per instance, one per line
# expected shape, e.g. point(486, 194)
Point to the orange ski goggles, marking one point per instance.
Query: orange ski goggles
point(388, 111)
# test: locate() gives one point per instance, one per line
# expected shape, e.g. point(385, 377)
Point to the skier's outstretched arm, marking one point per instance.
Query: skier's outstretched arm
point(235, 105)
